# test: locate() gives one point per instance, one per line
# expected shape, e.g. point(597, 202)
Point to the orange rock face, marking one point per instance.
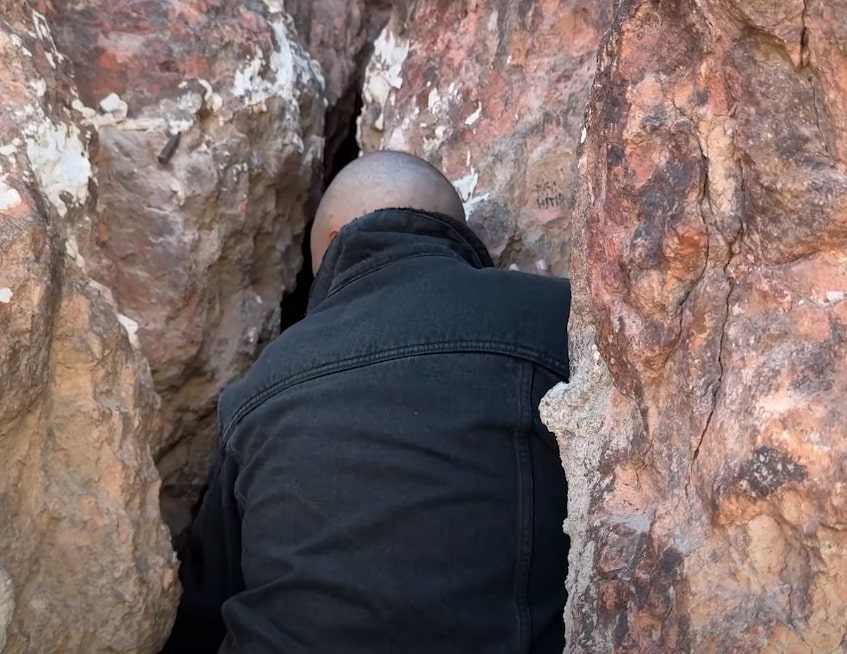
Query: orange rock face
point(494, 94)
point(198, 237)
point(85, 560)
point(139, 272)
point(704, 433)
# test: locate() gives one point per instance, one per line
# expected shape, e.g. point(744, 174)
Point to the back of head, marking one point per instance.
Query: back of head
point(381, 180)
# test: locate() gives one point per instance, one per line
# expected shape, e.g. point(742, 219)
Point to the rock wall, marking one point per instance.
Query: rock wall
point(339, 36)
point(704, 433)
point(499, 109)
point(79, 493)
point(198, 244)
point(155, 162)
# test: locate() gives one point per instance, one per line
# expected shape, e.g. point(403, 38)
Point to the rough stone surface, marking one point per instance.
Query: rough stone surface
point(155, 162)
point(197, 244)
point(339, 36)
point(493, 93)
point(7, 605)
point(85, 560)
point(704, 433)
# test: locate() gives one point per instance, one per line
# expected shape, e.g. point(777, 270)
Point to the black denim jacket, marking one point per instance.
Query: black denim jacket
point(377, 445)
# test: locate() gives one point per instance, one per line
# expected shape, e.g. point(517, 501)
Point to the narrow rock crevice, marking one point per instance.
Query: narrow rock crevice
point(707, 216)
point(731, 247)
point(816, 101)
point(341, 144)
point(805, 53)
point(341, 148)
point(294, 302)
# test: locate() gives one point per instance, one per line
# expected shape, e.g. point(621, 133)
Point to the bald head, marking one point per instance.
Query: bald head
point(381, 180)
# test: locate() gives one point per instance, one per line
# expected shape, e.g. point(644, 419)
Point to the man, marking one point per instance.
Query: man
point(384, 483)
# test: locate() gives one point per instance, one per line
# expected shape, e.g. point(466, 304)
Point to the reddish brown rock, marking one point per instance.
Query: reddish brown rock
point(493, 93)
point(85, 560)
point(704, 432)
point(210, 134)
point(139, 272)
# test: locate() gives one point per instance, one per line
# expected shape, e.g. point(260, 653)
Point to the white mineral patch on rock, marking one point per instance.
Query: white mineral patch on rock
point(18, 43)
point(384, 71)
point(289, 66)
point(5, 295)
point(9, 197)
point(471, 120)
point(275, 6)
point(86, 112)
point(131, 328)
point(39, 86)
point(473, 204)
point(60, 162)
point(467, 185)
point(112, 104)
point(42, 30)
point(211, 100)
point(72, 250)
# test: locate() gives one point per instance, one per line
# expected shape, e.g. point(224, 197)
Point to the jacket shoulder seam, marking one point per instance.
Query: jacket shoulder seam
point(492, 347)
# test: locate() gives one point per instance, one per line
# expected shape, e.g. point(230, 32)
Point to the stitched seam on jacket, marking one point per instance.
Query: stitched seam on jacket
point(526, 510)
point(359, 274)
point(350, 363)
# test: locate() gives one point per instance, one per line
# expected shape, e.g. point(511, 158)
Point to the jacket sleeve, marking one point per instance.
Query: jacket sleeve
point(210, 570)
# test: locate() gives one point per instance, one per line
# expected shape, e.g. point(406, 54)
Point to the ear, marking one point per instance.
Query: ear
point(332, 234)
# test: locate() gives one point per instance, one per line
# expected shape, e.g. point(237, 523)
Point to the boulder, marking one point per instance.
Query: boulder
point(85, 560)
point(209, 116)
point(493, 93)
point(704, 431)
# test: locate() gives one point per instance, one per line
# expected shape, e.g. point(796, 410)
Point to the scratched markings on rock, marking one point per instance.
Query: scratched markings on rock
point(503, 104)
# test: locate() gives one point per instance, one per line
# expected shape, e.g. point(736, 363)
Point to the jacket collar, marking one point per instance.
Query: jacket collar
point(390, 235)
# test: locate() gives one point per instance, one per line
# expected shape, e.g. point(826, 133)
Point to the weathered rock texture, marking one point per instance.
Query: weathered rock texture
point(704, 433)
point(494, 93)
point(137, 276)
point(339, 36)
point(85, 561)
point(199, 248)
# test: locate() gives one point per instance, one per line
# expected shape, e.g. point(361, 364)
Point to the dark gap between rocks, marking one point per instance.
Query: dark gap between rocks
point(341, 149)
